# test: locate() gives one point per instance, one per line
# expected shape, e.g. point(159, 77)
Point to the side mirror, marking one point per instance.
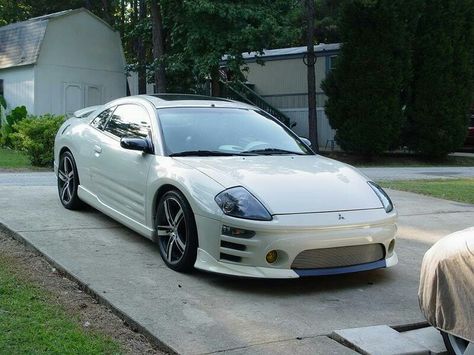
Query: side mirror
point(133, 143)
point(306, 141)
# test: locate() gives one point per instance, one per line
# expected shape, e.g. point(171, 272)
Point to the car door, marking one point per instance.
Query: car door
point(119, 175)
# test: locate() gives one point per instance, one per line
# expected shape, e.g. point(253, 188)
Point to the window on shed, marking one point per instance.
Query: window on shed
point(1, 87)
point(129, 121)
point(332, 62)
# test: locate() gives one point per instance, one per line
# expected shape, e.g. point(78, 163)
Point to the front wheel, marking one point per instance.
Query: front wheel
point(68, 181)
point(177, 233)
point(456, 345)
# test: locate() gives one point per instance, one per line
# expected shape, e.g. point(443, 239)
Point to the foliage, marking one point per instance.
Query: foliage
point(201, 32)
point(3, 102)
point(31, 322)
point(365, 89)
point(442, 84)
point(8, 128)
point(35, 135)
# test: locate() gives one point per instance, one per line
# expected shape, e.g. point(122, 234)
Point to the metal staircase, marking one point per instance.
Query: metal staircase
point(237, 90)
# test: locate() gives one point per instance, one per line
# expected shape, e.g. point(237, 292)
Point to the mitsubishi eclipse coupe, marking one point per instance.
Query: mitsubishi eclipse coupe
point(222, 186)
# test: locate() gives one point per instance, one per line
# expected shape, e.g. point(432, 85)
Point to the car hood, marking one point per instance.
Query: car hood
point(292, 184)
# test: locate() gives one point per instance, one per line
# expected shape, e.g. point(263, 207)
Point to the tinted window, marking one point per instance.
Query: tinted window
point(225, 130)
point(129, 121)
point(100, 121)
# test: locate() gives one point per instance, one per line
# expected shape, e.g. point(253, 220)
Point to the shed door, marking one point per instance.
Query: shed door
point(73, 98)
point(93, 95)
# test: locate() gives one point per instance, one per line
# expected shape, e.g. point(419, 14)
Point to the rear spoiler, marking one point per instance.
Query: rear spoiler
point(84, 112)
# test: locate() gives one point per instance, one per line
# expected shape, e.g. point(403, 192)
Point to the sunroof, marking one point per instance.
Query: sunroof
point(179, 97)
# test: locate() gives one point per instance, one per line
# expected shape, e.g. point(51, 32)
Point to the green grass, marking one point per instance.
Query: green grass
point(32, 323)
point(13, 159)
point(461, 190)
point(399, 160)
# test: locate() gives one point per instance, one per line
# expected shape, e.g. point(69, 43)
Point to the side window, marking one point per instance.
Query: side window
point(129, 121)
point(332, 62)
point(100, 121)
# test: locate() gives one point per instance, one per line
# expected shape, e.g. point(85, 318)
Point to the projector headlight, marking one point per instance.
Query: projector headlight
point(238, 202)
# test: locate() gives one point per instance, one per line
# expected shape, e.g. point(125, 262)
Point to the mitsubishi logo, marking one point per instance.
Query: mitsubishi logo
point(341, 216)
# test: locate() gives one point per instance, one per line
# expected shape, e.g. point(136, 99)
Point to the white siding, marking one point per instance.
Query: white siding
point(18, 86)
point(81, 63)
point(325, 132)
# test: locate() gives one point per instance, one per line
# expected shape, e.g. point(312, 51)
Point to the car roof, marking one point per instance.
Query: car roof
point(187, 100)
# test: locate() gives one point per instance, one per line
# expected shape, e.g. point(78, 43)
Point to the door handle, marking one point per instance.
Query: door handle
point(97, 149)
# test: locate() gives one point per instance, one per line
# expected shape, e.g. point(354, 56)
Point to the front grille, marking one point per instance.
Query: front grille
point(338, 257)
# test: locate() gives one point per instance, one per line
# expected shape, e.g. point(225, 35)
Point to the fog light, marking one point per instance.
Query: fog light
point(391, 246)
point(271, 257)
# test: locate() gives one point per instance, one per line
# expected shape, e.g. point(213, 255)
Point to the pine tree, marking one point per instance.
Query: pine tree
point(365, 90)
point(443, 73)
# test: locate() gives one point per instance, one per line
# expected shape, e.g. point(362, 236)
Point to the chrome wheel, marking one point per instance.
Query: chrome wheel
point(67, 180)
point(176, 231)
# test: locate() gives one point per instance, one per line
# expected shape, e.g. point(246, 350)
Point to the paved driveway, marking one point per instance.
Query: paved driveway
point(205, 313)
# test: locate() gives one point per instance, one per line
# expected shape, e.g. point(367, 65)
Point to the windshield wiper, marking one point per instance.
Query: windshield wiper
point(203, 153)
point(271, 151)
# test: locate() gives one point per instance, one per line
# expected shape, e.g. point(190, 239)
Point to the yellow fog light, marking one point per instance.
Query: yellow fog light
point(271, 257)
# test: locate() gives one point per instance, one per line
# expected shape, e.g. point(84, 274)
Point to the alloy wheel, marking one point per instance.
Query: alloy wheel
point(67, 180)
point(172, 231)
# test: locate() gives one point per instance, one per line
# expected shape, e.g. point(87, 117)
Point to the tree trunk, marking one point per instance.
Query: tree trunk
point(158, 46)
point(141, 54)
point(215, 83)
point(310, 62)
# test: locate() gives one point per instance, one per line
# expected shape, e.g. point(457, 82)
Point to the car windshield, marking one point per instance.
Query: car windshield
point(225, 131)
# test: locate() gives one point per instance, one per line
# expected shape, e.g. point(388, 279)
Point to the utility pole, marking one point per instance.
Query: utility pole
point(310, 61)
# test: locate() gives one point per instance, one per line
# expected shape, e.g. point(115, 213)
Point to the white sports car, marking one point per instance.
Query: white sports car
point(224, 187)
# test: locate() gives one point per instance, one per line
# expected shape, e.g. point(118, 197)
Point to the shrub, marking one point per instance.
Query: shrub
point(35, 135)
point(7, 129)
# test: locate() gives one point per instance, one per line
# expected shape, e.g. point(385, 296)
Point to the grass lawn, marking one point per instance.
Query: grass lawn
point(13, 159)
point(31, 322)
point(461, 190)
point(399, 160)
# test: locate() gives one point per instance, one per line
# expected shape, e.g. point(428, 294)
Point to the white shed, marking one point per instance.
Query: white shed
point(61, 62)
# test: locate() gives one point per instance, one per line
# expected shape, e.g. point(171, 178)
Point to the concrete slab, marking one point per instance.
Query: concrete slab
point(429, 337)
point(318, 345)
point(205, 313)
point(379, 340)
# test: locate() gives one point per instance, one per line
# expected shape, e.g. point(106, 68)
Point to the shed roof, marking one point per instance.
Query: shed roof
point(20, 42)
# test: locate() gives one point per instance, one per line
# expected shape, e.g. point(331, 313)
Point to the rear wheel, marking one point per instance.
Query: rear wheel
point(176, 229)
point(68, 181)
point(456, 345)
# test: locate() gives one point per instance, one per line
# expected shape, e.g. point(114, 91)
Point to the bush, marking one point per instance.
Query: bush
point(35, 135)
point(8, 128)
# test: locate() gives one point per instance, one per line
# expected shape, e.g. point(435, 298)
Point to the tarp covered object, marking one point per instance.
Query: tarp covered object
point(446, 291)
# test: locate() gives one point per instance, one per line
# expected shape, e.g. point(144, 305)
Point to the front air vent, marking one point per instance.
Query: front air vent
point(339, 256)
point(235, 246)
point(228, 257)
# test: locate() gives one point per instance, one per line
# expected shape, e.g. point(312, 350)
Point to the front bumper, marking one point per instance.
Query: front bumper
point(290, 235)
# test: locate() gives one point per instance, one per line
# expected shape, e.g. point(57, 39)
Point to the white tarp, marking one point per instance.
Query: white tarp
point(446, 291)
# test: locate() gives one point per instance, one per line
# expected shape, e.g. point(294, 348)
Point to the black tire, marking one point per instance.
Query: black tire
point(454, 344)
point(68, 181)
point(176, 230)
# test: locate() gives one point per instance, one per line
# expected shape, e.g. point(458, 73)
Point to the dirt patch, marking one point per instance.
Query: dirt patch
point(68, 294)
